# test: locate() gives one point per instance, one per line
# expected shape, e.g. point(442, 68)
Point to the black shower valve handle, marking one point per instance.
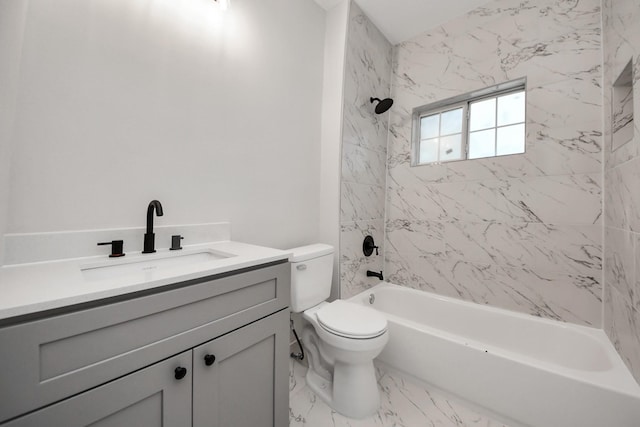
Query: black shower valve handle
point(368, 246)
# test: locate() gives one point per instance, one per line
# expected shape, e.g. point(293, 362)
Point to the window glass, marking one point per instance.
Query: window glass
point(510, 140)
point(483, 115)
point(482, 144)
point(451, 122)
point(511, 109)
point(429, 151)
point(451, 147)
point(430, 126)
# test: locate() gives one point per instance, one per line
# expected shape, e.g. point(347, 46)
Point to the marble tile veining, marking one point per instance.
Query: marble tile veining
point(572, 297)
point(622, 200)
point(560, 248)
point(363, 165)
point(364, 149)
point(562, 199)
point(361, 202)
point(352, 236)
point(404, 403)
point(622, 325)
point(353, 275)
point(621, 44)
point(620, 264)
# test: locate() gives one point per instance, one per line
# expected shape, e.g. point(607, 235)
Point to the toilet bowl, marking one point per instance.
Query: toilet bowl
point(341, 338)
point(351, 387)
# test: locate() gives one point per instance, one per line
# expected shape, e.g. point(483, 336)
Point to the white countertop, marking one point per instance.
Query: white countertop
point(34, 287)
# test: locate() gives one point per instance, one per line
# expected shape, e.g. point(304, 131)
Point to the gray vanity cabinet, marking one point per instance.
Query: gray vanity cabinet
point(237, 380)
point(147, 398)
point(112, 364)
point(246, 385)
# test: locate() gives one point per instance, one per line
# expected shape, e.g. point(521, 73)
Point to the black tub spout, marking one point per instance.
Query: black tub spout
point(374, 274)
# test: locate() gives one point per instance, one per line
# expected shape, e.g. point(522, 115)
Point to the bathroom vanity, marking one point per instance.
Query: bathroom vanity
point(204, 344)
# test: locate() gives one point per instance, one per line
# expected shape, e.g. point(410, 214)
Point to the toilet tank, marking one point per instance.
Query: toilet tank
point(311, 273)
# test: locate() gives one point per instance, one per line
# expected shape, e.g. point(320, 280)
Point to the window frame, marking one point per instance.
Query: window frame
point(464, 101)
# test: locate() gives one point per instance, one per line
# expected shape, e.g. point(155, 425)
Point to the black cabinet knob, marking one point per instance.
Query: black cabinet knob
point(209, 359)
point(180, 372)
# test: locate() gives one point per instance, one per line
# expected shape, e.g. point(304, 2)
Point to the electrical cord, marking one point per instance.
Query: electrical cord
point(298, 356)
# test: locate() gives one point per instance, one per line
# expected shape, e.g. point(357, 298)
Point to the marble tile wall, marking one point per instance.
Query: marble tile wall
point(364, 151)
point(621, 43)
point(522, 232)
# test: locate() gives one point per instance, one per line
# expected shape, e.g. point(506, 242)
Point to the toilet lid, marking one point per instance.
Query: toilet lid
point(351, 320)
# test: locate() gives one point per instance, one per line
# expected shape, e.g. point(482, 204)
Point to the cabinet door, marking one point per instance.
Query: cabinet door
point(247, 384)
point(150, 397)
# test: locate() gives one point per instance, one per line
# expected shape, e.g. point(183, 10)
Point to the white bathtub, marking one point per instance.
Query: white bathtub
point(538, 372)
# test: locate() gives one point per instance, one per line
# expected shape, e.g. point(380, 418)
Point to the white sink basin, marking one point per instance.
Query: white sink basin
point(143, 264)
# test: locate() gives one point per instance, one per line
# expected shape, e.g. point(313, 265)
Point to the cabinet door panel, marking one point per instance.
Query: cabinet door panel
point(147, 398)
point(246, 386)
point(147, 412)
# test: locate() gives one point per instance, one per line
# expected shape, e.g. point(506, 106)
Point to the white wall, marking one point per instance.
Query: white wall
point(330, 151)
point(12, 15)
point(215, 115)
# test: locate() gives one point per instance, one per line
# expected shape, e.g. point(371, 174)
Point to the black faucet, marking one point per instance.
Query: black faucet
point(374, 274)
point(149, 236)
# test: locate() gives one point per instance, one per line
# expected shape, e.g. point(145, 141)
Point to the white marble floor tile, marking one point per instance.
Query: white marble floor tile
point(403, 404)
point(297, 380)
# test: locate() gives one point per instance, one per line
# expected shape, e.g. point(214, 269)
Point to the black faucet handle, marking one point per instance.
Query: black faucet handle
point(175, 242)
point(116, 248)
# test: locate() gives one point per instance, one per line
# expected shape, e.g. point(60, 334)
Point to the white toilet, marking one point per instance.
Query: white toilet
point(343, 338)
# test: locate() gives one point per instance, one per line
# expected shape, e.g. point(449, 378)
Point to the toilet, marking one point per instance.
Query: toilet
point(341, 339)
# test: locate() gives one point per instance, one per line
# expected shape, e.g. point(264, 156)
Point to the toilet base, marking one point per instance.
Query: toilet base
point(355, 390)
point(321, 387)
point(350, 389)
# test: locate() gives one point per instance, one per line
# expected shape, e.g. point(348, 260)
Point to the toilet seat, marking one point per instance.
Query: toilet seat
point(351, 320)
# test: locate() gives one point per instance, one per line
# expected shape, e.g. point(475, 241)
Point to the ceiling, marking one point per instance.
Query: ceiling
point(400, 20)
point(328, 4)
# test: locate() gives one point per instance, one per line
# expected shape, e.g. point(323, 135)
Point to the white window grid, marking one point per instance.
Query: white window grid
point(463, 130)
point(463, 101)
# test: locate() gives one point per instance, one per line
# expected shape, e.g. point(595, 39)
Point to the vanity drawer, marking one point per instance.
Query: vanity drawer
point(52, 358)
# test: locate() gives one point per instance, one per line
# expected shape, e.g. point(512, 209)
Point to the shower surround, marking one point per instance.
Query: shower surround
point(621, 43)
point(521, 232)
point(364, 151)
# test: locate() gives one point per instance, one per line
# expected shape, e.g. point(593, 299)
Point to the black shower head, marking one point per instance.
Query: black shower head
point(383, 105)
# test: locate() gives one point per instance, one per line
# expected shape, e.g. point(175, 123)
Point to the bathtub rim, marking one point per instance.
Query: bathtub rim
point(617, 378)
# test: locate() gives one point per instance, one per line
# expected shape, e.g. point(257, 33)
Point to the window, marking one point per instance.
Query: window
point(486, 123)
